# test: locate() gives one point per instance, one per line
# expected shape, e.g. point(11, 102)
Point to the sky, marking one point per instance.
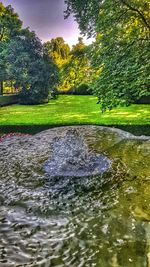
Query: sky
point(46, 18)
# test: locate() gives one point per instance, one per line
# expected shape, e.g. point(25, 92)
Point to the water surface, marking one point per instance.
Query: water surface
point(101, 220)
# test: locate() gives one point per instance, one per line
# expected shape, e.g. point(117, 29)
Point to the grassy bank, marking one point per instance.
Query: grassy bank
point(73, 110)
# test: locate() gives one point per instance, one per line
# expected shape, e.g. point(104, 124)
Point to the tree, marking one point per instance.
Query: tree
point(27, 65)
point(121, 51)
point(59, 53)
point(53, 74)
point(10, 26)
point(77, 71)
point(58, 50)
point(23, 60)
point(3, 72)
point(89, 13)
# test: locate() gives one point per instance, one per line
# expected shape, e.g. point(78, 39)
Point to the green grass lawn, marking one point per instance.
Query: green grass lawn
point(71, 110)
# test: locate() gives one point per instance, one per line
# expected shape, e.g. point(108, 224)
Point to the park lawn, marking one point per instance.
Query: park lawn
point(72, 110)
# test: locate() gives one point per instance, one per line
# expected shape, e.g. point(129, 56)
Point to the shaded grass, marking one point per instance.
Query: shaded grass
point(73, 110)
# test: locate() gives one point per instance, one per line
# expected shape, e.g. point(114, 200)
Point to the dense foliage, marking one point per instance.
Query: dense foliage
point(10, 26)
point(73, 65)
point(58, 50)
point(23, 61)
point(121, 53)
point(76, 74)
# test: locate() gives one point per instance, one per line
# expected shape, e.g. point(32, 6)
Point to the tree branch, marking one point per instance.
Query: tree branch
point(1, 34)
point(147, 24)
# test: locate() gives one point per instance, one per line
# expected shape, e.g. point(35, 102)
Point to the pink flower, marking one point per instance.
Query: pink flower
point(8, 136)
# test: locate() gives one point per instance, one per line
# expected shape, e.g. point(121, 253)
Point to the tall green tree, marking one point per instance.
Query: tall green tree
point(28, 66)
point(3, 72)
point(89, 14)
point(23, 59)
point(59, 53)
point(76, 73)
point(121, 52)
point(10, 26)
point(58, 50)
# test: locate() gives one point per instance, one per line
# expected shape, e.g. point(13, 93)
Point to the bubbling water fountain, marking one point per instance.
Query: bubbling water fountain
point(75, 196)
point(72, 158)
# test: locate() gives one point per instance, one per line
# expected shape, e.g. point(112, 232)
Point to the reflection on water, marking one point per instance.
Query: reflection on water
point(75, 222)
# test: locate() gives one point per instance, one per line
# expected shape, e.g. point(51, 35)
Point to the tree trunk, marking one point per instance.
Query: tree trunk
point(1, 88)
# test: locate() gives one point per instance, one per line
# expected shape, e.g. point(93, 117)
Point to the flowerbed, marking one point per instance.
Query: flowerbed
point(10, 135)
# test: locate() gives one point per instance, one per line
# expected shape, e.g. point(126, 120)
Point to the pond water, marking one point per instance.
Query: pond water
point(75, 221)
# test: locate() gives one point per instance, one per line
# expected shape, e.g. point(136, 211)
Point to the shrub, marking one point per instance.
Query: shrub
point(82, 89)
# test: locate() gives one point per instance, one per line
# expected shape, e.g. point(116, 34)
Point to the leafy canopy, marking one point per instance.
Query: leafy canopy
point(23, 60)
point(73, 64)
point(58, 50)
point(10, 24)
point(76, 73)
point(121, 53)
